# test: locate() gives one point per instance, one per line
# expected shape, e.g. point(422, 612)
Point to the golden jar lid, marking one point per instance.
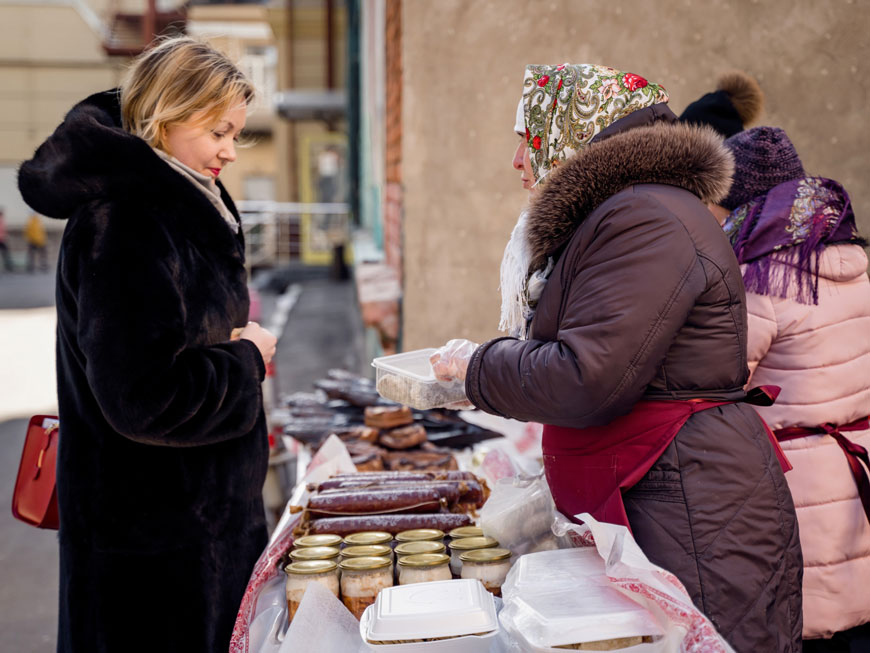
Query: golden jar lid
point(366, 563)
point(420, 546)
point(366, 550)
point(307, 567)
point(466, 531)
point(315, 553)
point(368, 537)
point(470, 543)
point(485, 555)
point(420, 534)
point(423, 560)
point(326, 539)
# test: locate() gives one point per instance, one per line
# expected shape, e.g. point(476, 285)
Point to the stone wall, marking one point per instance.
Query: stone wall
point(462, 75)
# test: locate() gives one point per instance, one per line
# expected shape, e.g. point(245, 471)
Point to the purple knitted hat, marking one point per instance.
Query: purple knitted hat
point(764, 157)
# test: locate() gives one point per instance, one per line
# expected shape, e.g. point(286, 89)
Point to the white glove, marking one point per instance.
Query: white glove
point(450, 362)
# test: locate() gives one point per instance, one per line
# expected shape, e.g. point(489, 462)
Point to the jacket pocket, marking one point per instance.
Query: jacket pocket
point(658, 486)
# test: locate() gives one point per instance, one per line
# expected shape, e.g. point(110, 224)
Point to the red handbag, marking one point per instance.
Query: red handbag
point(35, 498)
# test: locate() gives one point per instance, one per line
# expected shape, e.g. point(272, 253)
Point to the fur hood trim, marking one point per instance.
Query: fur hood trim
point(90, 157)
point(675, 154)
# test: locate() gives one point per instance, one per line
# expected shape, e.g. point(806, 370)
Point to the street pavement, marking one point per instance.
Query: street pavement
point(319, 328)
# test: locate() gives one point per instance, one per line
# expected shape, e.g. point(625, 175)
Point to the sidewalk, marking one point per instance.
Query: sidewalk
point(323, 330)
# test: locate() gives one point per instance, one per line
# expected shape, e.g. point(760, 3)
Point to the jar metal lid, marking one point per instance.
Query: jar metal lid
point(325, 539)
point(469, 543)
point(368, 537)
point(422, 560)
point(485, 555)
point(315, 553)
point(466, 531)
point(307, 567)
point(366, 550)
point(365, 563)
point(420, 534)
point(420, 546)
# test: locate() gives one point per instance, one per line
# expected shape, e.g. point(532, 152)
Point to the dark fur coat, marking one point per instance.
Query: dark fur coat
point(646, 302)
point(163, 448)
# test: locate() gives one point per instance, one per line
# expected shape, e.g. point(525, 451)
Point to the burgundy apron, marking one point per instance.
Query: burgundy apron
point(855, 453)
point(588, 469)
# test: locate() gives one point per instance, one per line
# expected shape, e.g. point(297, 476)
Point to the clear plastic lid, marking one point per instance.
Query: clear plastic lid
point(413, 364)
point(448, 608)
point(563, 597)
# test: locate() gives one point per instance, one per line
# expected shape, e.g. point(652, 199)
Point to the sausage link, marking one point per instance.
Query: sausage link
point(391, 523)
point(354, 502)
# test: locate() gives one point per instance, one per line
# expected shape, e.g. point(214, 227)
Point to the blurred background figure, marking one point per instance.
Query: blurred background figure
point(4, 248)
point(808, 298)
point(34, 234)
point(737, 101)
point(327, 174)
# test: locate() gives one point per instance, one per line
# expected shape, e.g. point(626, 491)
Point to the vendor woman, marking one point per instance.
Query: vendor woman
point(627, 317)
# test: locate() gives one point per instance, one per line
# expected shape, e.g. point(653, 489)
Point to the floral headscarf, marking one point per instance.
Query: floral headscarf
point(562, 109)
point(791, 224)
point(566, 106)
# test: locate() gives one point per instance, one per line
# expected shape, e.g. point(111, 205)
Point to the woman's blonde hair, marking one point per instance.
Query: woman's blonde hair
point(176, 79)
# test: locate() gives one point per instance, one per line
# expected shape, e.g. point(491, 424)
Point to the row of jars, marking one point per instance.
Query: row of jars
point(358, 566)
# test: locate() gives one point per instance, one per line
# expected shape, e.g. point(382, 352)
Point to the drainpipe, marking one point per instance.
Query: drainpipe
point(149, 24)
point(353, 108)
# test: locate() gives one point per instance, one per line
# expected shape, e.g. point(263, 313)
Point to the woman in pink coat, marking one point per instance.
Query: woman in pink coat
point(808, 298)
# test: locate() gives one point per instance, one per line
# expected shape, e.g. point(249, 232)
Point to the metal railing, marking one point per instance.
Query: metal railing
point(277, 233)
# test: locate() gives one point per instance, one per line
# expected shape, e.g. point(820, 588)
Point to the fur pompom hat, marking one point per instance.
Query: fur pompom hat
point(736, 102)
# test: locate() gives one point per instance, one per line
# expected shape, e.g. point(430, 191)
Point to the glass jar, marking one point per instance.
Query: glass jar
point(368, 537)
point(421, 546)
point(362, 579)
point(464, 544)
point(325, 539)
point(466, 531)
point(315, 553)
point(424, 568)
point(300, 574)
point(420, 534)
point(377, 550)
point(489, 566)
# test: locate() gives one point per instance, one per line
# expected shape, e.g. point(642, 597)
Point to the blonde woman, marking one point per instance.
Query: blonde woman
point(164, 448)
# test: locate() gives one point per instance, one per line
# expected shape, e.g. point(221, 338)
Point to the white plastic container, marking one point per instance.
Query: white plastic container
point(563, 597)
point(460, 610)
point(408, 379)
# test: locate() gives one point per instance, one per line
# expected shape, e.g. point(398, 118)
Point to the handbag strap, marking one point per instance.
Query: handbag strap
point(46, 443)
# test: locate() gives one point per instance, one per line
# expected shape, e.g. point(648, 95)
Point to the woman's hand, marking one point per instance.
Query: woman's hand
point(450, 362)
point(264, 340)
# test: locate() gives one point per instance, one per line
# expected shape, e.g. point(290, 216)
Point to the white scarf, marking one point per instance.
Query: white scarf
point(204, 183)
point(519, 290)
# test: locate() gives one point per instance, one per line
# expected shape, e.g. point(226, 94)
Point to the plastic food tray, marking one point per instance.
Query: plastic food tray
point(408, 379)
point(461, 610)
point(554, 598)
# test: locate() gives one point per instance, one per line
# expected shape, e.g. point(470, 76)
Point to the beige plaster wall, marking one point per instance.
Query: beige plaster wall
point(463, 70)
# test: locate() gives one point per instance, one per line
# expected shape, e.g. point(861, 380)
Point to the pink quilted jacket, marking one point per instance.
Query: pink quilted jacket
point(820, 356)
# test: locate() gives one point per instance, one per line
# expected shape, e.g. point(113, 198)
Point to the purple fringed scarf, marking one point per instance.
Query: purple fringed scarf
point(790, 225)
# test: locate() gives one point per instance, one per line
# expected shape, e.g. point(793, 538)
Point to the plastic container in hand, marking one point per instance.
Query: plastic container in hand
point(408, 379)
point(450, 616)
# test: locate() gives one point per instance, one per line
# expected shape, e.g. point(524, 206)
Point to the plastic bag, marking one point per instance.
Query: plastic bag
point(450, 362)
point(323, 624)
point(562, 597)
point(519, 514)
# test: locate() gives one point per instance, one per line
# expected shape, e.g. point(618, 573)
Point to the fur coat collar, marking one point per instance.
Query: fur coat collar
point(664, 152)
